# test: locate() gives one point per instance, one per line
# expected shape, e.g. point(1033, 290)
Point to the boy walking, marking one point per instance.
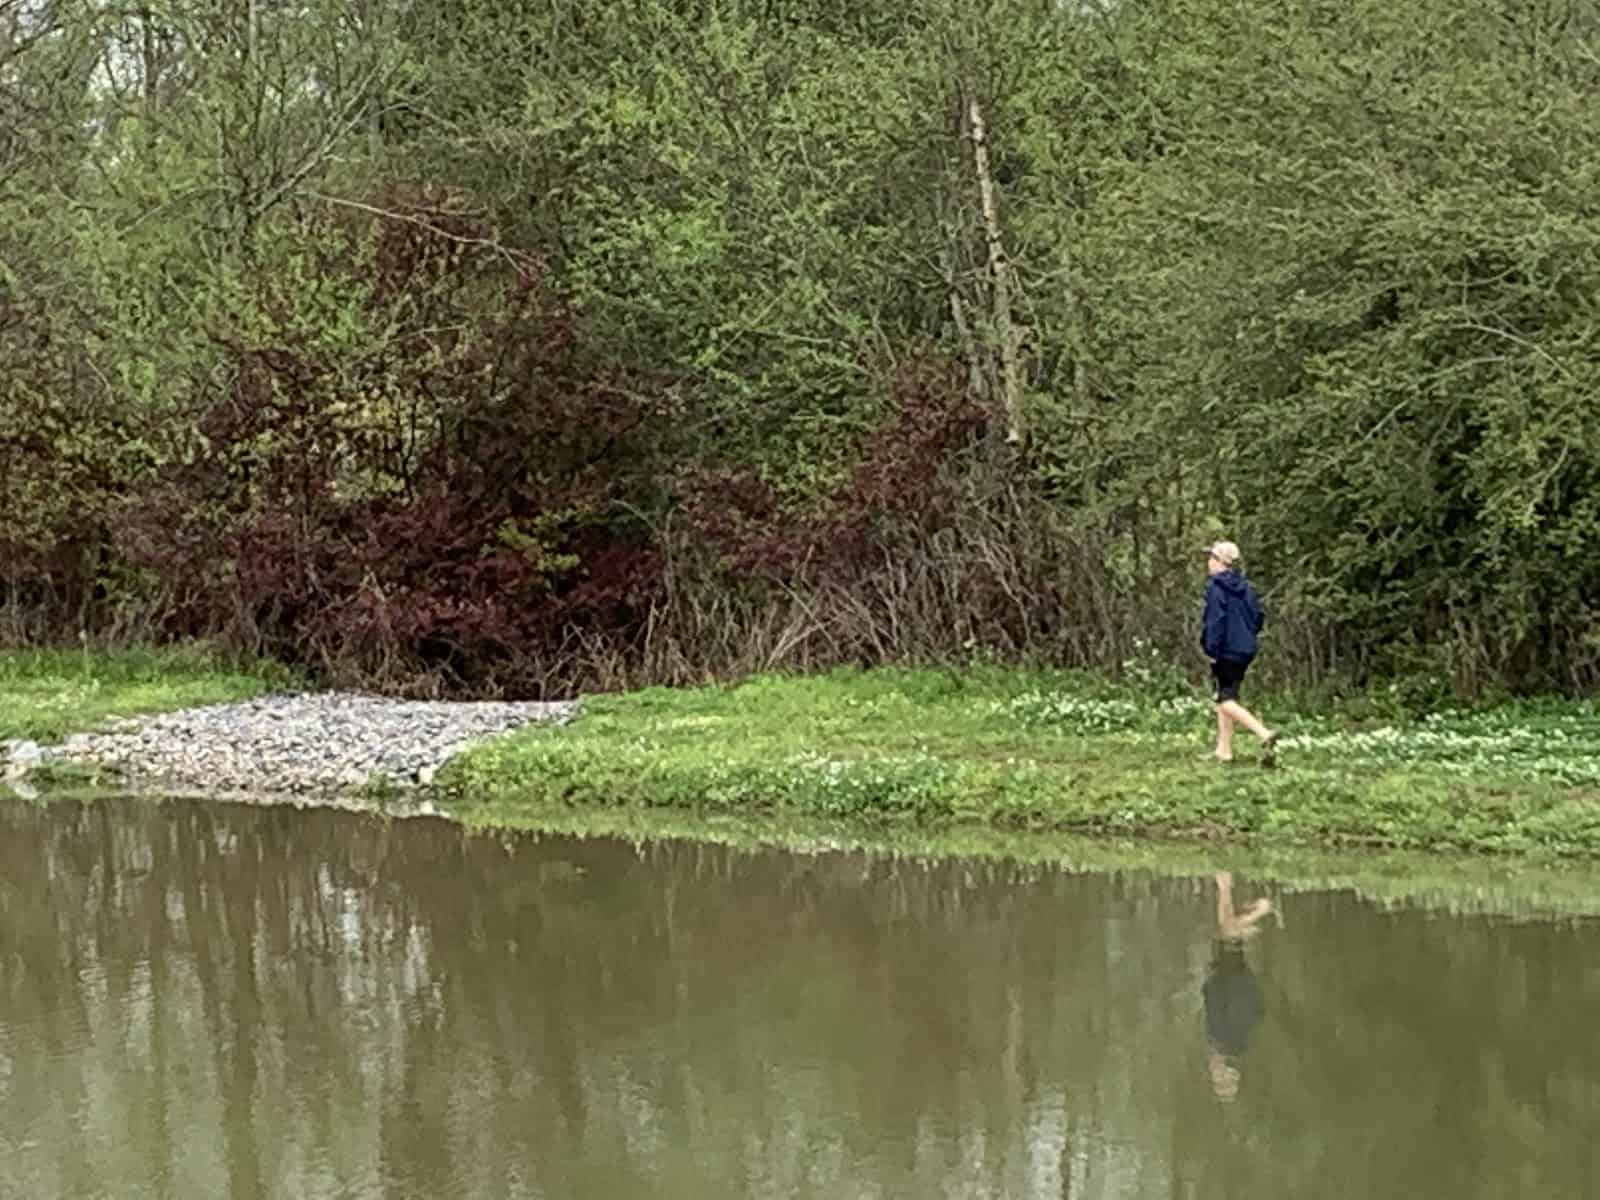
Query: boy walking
point(1233, 617)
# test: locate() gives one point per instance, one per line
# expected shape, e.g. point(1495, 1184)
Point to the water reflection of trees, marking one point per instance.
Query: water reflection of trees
point(232, 1001)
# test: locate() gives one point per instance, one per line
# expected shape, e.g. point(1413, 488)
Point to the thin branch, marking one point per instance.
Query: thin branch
point(1521, 341)
point(516, 258)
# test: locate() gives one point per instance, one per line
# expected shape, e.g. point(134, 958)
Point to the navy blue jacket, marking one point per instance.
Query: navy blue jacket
point(1232, 619)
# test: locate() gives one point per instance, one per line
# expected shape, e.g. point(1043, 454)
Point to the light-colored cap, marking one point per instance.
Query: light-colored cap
point(1224, 552)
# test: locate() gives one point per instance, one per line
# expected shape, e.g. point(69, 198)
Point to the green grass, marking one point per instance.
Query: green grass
point(47, 694)
point(1049, 752)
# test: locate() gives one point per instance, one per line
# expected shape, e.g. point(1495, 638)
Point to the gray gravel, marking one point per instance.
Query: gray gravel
point(310, 744)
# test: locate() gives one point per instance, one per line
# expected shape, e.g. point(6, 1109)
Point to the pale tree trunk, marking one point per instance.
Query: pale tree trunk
point(1006, 333)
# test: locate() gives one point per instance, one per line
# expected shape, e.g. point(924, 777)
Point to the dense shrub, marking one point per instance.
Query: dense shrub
point(433, 496)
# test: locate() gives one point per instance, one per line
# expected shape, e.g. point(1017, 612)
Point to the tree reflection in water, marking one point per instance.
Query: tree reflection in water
point(212, 1000)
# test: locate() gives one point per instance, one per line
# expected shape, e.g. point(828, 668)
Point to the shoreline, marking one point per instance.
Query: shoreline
point(1516, 887)
point(1052, 754)
point(181, 721)
point(906, 754)
point(283, 744)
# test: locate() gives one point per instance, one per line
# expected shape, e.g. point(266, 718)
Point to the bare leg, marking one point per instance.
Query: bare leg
point(1241, 714)
point(1224, 1077)
point(1224, 733)
point(1224, 901)
point(1230, 922)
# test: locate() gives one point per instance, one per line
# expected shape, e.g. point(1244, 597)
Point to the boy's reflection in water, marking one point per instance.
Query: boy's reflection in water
point(1232, 995)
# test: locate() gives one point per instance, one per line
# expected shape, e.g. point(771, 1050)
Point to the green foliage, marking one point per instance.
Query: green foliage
point(1046, 752)
point(46, 694)
point(1319, 276)
point(1369, 334)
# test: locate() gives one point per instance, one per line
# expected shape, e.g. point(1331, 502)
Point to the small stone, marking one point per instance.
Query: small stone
point(20, 756)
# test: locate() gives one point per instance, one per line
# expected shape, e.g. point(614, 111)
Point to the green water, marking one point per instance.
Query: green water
point(211, 1001)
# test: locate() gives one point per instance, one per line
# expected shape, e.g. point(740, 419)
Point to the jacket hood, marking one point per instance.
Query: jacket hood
point(1230, 581)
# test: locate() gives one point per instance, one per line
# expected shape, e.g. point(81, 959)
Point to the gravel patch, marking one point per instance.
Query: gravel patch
point(308, 744)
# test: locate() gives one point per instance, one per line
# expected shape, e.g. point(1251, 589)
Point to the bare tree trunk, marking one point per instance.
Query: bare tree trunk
point(954, 268)
point(1006, 332)
point(149, 67)
point(375, 97)
point(149, 76)
point(977, 380)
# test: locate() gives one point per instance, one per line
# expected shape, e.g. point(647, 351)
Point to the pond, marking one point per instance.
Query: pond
point(210, 1000)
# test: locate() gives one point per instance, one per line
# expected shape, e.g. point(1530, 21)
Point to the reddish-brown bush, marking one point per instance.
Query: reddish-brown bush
point(402, 467)
point(438, 505)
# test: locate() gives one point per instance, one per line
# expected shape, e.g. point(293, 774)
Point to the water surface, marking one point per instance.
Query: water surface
point(209, 1000)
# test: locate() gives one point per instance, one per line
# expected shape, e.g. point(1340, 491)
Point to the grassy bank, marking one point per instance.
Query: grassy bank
point(47, 694)
point(986, 765)
point(1009, 751)
point(962, 759)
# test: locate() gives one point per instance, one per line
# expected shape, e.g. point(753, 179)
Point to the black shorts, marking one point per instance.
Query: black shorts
point(1229, 675)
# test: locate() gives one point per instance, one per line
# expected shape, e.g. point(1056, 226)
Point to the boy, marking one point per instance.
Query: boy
point(1232, 995)
point(1233, 617)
